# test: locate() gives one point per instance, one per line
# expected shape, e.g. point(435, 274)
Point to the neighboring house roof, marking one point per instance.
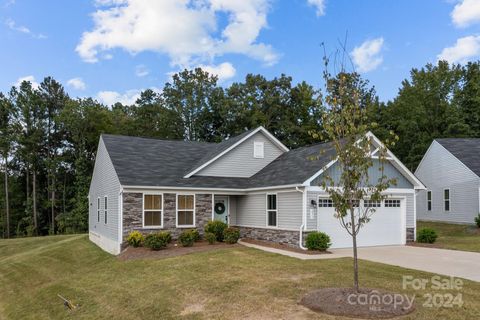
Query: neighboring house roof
point(465, 150)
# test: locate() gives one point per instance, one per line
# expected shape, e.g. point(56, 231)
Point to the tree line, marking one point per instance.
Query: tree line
point(48, 139)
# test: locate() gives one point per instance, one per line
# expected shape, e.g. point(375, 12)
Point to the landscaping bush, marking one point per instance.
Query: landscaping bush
point(427, 235)
point(195, 234)
point(231, 235)
point(135, 239)
point(217, 228)
point(157, 241)
point(477, 220)
point(210, 237)
point(187, 238)
point(317, 241)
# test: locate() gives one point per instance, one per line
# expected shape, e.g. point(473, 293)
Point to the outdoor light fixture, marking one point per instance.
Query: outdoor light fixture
point(313, 203)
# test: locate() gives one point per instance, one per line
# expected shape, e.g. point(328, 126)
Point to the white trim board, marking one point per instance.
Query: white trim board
point(259, 129)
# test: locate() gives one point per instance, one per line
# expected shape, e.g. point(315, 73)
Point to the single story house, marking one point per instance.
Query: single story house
point(450, 169)
point(251, 181)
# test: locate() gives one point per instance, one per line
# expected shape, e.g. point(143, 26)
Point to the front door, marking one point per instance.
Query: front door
point(220, 208)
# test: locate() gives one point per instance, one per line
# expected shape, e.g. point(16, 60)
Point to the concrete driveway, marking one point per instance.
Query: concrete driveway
point(446, 262)
point(454, 263)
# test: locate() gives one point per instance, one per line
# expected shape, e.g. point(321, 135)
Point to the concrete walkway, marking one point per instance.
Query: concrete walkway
point(454, 263)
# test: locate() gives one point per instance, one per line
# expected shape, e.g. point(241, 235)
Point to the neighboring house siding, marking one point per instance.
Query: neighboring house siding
point(374, 174)
point(440, 170)
point(104, 183)
point(239, 162)
point(251, 210)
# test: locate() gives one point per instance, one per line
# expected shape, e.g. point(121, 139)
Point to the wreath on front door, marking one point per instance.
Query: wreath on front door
point(219, 208)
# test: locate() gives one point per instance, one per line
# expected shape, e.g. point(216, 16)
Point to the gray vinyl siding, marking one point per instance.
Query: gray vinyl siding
point(104, 183)
point(233, 210)
point(373, 175)
point(239, 162)
point(410, 221)
point(251, 210)
point(441, 170)
point(312, 215)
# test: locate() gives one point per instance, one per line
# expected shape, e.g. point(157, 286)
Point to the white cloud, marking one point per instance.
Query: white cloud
point(223, 71)
point(464, 49)
point(77, 83)
point(187, 31)
point(129, 97)
point(30, 79)
point(319, 6)
point(141, 71)
point(367, 56)
point(466, 13)
point(22, 29)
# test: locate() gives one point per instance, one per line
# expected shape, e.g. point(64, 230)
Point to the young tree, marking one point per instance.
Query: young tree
point(345, 125)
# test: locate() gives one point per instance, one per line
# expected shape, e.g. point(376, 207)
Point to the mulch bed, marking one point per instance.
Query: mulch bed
point(281, 246)
point(172, 250)
point(368, 304)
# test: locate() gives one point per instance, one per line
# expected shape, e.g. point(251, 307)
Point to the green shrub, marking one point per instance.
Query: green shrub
point(135, 239)
point(157, 241)
point(317, 241)
point(477, 220)
point(210, 237)
point(195, 234)
point(231, 235)
point(427, 235)
point(187, 238)
point(216, 227)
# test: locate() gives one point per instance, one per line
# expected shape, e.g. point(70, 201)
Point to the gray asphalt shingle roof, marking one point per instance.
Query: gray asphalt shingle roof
point(155, 162)
point(467, 150)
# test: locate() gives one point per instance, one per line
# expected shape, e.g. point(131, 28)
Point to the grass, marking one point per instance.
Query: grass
point(454, 236)
point(229, 283)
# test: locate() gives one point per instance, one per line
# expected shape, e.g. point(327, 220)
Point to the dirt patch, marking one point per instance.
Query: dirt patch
point(282, 246)
point(367, 304)
point(172, 250)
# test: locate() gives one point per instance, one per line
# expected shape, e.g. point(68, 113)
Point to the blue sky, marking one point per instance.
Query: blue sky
point(112, 49)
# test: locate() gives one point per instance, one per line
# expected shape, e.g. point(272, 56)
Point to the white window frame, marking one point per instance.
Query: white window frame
point(259, 144)
point(391, 201)
point(449, 200)
point(194, 213)
point(378, 203)
point(267, 210)
point(105, 209)
point(156, 210)
point(430, 201)
point(328, 200)
point(98, 209)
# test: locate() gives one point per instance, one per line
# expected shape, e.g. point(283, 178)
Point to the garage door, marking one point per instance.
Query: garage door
point(385, 227)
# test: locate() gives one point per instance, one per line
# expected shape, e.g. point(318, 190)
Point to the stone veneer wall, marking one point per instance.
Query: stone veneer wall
point(410, 234)
point(290, 238)
point(132, 213)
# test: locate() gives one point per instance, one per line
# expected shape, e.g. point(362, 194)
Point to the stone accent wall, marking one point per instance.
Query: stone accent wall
point(410, 234)
point(290, 238)
point(132, 213)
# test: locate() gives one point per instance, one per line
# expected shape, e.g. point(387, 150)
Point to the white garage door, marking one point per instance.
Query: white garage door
point(386, 226)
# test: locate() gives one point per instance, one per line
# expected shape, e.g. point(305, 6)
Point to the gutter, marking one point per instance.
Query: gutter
point(304, 218)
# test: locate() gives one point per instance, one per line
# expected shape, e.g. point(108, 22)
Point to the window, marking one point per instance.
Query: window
point(446, 199)
point(258, 149)
point(152, 210)
point(372, 204)
point(356, 203)
point(98, 209)
point(429, 200)
point(325, 203)
point(392, 203)
point(271, 210)
point(105, 207)
point(185, 210)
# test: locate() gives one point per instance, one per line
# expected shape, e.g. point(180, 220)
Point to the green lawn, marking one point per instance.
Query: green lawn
point(229, 283)
point(454, 236)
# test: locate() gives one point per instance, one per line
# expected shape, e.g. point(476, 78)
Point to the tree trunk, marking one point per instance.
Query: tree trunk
point(34, 195)
point(53, 205)
point(7, 207)
point(64, 190)
point(355, 256)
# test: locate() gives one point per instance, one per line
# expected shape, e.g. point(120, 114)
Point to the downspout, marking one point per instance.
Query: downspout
point(304, 218)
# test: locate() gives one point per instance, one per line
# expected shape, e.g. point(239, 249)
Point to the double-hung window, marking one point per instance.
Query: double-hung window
point(429, 200)
point(185, 210)
point(152, 210)
point(98, 209)
point(272, 210)
point(446, 199)
point(105, 208)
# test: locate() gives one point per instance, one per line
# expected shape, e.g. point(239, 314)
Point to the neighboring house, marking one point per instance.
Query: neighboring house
point(251, 181)
point(450, 169)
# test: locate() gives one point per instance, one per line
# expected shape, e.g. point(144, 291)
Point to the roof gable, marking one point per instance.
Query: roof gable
point(467, 150)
